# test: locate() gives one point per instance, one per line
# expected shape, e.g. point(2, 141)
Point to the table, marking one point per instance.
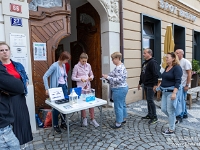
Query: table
point(81, 105)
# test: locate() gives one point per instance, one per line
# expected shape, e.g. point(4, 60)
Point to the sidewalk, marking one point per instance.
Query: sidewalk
point(193, 120)
point(137, 134)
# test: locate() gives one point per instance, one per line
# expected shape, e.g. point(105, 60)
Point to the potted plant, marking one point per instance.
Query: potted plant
point(195, 73)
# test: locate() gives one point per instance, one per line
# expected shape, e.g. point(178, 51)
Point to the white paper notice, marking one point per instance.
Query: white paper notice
point(18, 47)
point(39, 51)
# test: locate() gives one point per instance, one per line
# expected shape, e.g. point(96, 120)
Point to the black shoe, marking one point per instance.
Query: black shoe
point(180, 120)
point(124, 122)
point(153, 121)
point(146, 117)
point(57, 129)
point(176, 121)
point(115, 127)
point(167, 132)
point(185, 116)
point(63, 126)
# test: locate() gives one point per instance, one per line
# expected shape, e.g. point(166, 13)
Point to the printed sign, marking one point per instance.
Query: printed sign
point(18, 48)
point(56, 94)
point(15, 8)
point(39, 51)
point(16, 21)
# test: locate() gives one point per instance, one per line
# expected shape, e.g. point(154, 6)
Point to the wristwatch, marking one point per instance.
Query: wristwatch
point(187, 85)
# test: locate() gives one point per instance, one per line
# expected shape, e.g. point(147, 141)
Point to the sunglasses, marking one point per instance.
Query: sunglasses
point(2, 50)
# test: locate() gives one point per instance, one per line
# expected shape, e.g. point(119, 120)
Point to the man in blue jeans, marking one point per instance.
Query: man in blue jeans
point(149, 78)
point(9, 86)
point(185, 81)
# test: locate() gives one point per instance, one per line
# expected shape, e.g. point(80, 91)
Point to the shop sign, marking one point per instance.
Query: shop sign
point(16, 21)
point(15, 8)
point(175, 10)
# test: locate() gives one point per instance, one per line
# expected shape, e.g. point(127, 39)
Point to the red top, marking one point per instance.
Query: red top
point(12, 71)
point(67, 66)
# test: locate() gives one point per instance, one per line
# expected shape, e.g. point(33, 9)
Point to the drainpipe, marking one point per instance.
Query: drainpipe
point(121, 29)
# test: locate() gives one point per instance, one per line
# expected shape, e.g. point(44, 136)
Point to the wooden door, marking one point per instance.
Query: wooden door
point(88, 40)
point(47, 25)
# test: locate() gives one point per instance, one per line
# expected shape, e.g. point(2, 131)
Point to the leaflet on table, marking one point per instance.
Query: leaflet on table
point(72, 106)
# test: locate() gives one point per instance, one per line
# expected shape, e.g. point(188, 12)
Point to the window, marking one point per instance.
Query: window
point(151, 36)
point(179, 37)
point(196, 45)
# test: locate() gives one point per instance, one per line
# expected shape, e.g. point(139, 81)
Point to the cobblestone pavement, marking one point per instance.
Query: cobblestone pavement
point(136, 134)
point(193, 120)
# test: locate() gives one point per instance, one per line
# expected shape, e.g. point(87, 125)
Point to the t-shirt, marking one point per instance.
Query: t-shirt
point(12, 71)
point(61, 79)
point(185, 65)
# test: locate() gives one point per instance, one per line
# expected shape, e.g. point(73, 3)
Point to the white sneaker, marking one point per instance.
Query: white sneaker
point(85, 122)
point(94, 123)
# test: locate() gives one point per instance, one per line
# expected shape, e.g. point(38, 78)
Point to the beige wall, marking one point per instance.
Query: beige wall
point(132, 35)
point(191, 3)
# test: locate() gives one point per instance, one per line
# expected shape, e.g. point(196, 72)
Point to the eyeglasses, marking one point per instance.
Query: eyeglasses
point(4, 50)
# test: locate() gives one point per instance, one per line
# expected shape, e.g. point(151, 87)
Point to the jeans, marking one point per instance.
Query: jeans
point(119, 98)
point(185, 107)
point(8, 140)
point(56, 112)
point(150, 103)
point(168, 108)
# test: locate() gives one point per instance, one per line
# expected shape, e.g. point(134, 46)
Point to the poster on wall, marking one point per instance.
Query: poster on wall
point(18, 47)
point(39, 51)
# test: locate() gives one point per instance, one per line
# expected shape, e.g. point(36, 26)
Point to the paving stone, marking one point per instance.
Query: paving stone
point(136, 134)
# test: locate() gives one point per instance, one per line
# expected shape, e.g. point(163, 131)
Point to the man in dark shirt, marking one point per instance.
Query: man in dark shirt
point(9, 86)
point(149, 78)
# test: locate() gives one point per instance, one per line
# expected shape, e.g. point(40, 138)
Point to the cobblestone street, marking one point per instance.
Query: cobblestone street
point(135, 134)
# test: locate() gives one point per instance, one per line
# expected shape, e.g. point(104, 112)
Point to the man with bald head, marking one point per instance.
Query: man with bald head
point(186, 78)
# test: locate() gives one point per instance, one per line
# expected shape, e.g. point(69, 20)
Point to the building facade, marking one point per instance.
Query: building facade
point(14, 30)
point(48, 27)
point(145, 24)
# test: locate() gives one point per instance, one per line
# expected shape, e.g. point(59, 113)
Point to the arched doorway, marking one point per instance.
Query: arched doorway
point(88, 41)
point(52, 24)
point(49, 23)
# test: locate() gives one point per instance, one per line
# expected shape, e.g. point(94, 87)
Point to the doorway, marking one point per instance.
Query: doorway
point(88, 41)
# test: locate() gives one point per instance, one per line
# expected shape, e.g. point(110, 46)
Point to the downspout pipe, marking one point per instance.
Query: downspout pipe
point(121, 29)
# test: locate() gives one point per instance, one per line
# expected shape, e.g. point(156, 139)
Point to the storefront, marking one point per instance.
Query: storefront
point(145, 24)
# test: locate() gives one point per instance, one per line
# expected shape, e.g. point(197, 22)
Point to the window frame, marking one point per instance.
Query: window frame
point(157, 36)
point(195, 56)
point(184, 44)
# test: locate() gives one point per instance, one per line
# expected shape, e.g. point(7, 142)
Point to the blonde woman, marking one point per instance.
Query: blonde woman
point(82, 74)
point(119, 87)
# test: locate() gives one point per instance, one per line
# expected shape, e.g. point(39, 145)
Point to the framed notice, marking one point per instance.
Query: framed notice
point(39, 51)
point(18, 49)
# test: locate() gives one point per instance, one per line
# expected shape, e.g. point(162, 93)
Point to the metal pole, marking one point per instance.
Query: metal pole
point(52, 121)
point(121, 29)
point(101, 122)
point(68, 134)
